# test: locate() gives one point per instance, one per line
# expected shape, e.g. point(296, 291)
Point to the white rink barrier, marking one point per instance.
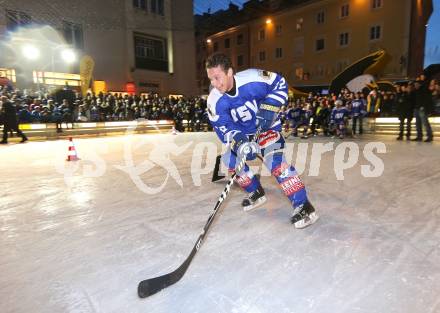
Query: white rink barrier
point(380, 125)
point(49, 130)
point(390, 126)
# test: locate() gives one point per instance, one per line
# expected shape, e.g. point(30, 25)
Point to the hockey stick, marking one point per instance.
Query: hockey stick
point(151, 286)
point(216, 173)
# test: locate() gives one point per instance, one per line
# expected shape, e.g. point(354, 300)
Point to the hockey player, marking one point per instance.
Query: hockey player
point(238, 106)
point(306, 115)
point(339, 118)
point(357, 112)
point(294, 118)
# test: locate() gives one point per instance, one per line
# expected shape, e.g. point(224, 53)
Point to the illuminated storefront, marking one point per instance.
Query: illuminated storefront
point(9, 74)
point(56, 79)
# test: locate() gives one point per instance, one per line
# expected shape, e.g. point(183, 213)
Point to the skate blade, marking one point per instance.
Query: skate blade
point(309, 220)
point(257, 203)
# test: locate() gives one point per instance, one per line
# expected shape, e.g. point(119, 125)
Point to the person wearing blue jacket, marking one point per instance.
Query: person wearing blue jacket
point(241, 105)
point(357, 113)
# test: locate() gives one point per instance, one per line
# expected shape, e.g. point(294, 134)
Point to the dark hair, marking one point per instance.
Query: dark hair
point(217, 59)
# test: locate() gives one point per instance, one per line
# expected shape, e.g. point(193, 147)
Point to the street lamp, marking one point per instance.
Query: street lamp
point(68, 56)
point(30, 52)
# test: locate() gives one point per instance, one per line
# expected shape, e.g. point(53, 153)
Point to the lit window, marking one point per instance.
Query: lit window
point(299, 24)
point(278, 53)
point(261, 34)
point(376, 4)
point(299, 72)
point(278, 29)
point(375, 32)
point(343, 39)
point(320, 44)
point(345, 10)
point(320, 17)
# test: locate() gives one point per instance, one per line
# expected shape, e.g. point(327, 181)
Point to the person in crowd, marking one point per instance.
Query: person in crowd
point(422, 110)
point(10, 122)
point(339, 118)
point(374, 101)
point(357, 114)
point(404, 110)
point(294, 116)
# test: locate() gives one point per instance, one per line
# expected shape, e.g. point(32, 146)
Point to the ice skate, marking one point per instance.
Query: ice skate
point(304, 215)
point(254, 199)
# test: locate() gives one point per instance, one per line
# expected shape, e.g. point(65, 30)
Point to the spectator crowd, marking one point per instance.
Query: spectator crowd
point(67, 106)
point(329, 114)
point(342, 114)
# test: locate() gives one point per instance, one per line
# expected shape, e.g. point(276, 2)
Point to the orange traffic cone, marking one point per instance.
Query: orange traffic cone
point(71, 154)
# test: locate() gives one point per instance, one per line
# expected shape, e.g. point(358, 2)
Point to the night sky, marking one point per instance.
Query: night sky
point(432, 49)
point(201, 6)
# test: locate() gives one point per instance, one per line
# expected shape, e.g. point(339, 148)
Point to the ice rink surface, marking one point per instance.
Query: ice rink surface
point(79, 236)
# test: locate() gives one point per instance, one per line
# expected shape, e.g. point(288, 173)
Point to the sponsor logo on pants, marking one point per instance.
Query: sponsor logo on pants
point(281, 170)
point(244, 181)
point(292, 185)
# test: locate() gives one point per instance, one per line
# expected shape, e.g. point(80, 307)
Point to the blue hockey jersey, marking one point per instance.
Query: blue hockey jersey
point(339, 115)
point(294, 114)
point(357, 107)
point(230, 114)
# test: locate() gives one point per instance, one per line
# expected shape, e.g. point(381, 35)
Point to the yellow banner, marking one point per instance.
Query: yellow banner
point(99, 86)
point(85, 71)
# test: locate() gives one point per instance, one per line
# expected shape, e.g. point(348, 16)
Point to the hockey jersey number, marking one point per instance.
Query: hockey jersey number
point(241, 113)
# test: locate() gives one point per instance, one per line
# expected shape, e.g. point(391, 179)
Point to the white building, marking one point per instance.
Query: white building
point(146, 42)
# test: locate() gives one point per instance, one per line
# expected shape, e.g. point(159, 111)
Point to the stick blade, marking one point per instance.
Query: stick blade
point(151, 286)
point(216, 172)
point(217, 178)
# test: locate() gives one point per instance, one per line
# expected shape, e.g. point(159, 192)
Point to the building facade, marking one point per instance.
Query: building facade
point(310, 42)
point(228, 23)
point(144, 44)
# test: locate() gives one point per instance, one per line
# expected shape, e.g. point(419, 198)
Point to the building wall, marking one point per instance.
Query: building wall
point(236, 48)
point(108, 28)
point(421, 11)
point(302, 64)
point(184, 51)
